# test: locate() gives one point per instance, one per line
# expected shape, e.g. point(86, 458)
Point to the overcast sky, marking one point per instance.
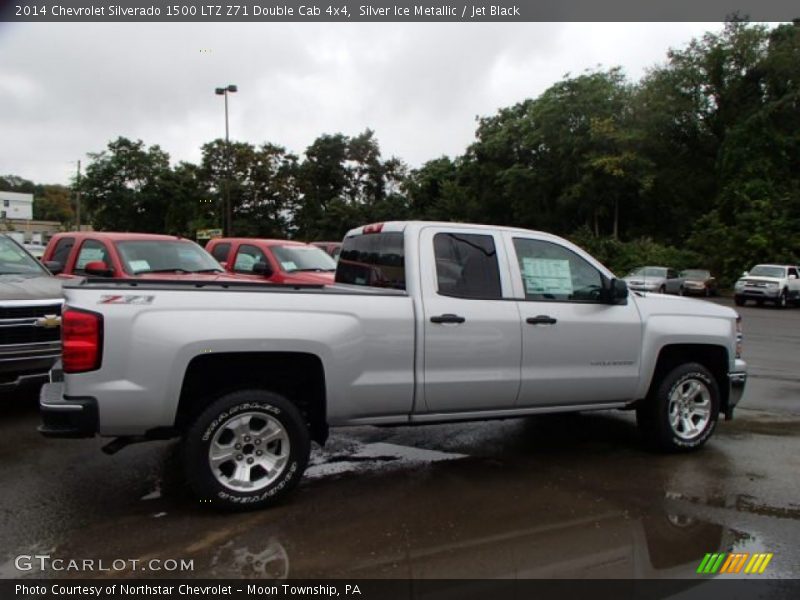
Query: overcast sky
point(67, 89)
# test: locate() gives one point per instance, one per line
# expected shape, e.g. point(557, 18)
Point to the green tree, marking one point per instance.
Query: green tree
point(123, 188)
point(53, 203)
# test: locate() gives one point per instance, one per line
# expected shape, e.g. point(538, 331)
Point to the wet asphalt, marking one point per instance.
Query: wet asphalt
point(553, 496)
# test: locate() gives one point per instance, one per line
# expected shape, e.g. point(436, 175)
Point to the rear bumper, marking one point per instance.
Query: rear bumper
point(66, 417)
point(737, 379)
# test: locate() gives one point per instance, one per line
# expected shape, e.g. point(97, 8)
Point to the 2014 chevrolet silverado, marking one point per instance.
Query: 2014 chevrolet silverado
point(428, 323)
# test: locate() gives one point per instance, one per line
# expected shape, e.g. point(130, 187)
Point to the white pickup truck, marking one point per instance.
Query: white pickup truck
point(427, 323)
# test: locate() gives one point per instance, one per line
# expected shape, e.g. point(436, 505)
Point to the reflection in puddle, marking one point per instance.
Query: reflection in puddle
point(270, 561)
point(364, 457)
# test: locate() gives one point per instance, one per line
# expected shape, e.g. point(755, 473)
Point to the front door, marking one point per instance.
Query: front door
point(576, 349)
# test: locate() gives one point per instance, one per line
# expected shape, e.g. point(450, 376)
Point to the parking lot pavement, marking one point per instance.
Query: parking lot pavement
point(559, 496)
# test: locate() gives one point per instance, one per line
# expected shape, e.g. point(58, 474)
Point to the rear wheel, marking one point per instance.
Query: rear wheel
point(246, 450)
point(682, 412)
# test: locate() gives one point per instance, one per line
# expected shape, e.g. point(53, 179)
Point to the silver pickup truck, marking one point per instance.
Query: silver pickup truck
point(427, 323)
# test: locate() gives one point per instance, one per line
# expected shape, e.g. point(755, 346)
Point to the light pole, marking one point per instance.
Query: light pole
point(228, 215)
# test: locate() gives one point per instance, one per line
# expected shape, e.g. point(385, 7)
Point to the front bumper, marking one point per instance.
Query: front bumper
point(736, 383)
point(755, 293)
point(66, 417)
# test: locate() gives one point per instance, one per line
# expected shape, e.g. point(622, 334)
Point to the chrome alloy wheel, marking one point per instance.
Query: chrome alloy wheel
point(249, 451)
point(689, 408)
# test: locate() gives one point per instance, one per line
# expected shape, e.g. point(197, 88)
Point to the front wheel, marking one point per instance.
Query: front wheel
point(739, 300)
point(662, 289)
point(682, 412)
point(246, 450)
point(783, 300)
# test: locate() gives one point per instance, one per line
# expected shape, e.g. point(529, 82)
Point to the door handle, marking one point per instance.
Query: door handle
point(541, 320)
point(448, 318)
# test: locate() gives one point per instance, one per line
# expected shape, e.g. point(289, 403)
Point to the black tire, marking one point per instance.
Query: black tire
point(739, 300)
point(681, 291)
point(249, 407)
point(783, 299)
point(653, 413)
point(662, 289)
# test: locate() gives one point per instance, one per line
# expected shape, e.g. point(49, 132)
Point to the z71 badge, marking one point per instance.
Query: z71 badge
point(126, 299)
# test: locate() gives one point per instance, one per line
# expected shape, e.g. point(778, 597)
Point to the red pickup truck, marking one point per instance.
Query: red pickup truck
point(127, 255)
point(273, 261)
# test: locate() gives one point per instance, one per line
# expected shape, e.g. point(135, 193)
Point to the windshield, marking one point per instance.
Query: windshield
point(762, 271)
point(164, 256)
point(303, 258)
point(15, 261)
point(648, 272)
point(695, 274)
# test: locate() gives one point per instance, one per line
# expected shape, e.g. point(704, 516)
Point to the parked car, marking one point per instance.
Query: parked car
point(650, 279)
point(273, 261)
point(30, 317)
point(779, 284)
point(332, 248)
point(249, 375)
point(130, 255)
point(35, 250)
point(692, 282)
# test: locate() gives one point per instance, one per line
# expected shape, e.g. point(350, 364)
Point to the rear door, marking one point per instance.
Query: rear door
point(576, 349)
point(472, 332)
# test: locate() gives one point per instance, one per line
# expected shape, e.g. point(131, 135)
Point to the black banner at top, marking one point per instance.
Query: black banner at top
point(397, 11)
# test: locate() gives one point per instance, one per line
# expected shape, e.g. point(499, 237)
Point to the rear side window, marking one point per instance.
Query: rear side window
point(62, 250)
point(374, 260)
point(220, 252)
point(466, 266)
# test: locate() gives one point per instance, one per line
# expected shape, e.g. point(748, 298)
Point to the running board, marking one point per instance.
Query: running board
point(479, 415)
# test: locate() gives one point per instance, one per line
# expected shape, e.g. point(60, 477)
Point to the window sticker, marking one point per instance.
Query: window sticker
point(137, 266)
point(547, 276)
point(289, 265)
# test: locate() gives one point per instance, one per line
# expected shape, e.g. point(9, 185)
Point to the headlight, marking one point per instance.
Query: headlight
point(739, 284)
point(772, 284)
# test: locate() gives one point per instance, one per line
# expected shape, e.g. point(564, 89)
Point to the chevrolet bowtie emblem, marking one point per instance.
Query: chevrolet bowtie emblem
point(48, 321)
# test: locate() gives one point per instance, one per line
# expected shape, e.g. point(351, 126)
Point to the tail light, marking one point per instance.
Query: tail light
point(739, 336)
point(81, 340)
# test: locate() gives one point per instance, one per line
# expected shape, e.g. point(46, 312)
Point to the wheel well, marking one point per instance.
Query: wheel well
point(298, 376)
point(713, 358)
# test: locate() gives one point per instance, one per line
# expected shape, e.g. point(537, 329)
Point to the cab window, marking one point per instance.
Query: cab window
point(220, 251)
point(246, 257)
point(553, 273)
point(91, 250)
point(466, 266)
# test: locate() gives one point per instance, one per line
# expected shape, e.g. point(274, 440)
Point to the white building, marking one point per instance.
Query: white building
point(16, 206)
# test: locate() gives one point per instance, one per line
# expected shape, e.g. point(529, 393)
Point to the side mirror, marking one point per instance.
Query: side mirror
point(262, 268)
point(792, 276)
point(223, 264)
point(53, 266)
point(98, 268)
point(616, 291)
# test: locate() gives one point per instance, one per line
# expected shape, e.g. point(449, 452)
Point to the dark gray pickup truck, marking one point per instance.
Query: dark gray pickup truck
point(30, 317)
